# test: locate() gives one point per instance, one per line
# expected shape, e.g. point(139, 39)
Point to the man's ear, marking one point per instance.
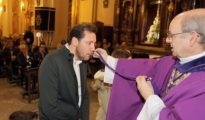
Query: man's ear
point(195, 37)
point(74, 41)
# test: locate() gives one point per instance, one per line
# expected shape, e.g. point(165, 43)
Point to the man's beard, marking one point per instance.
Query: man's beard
point(80, 57)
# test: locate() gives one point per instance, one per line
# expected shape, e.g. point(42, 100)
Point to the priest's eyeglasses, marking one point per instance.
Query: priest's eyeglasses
point(170, 35)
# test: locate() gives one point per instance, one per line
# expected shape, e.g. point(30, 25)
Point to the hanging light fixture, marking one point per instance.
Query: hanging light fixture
point(105, 3)
point(22, 6)
point(2, 8)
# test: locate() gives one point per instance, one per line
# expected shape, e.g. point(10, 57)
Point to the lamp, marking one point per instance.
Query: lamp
point(2, 8)
point(105, 3)
point(23, 6)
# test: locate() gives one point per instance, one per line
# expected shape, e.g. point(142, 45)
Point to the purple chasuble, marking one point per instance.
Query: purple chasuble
point(185, 101)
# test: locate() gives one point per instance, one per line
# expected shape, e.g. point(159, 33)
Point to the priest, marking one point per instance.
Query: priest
point(171, 88)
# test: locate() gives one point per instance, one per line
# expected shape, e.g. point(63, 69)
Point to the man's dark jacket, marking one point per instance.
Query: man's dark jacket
point(58, 88)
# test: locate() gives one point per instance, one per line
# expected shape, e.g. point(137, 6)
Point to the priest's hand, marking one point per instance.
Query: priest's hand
point(144, 86)
point(102, 52)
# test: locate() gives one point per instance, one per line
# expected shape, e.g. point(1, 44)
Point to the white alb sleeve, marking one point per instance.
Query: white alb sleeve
point(109, 74)
point(151, 108)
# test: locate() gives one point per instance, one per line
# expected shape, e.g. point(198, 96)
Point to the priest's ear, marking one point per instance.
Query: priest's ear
point(196, 38)
point(201, 38)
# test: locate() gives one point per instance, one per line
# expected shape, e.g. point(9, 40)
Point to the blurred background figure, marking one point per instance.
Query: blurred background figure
point(106, 45)
point(25, 57)
point(61, 44)
point(23, 115)
point(39, 53)
point(1, 40)
point(29, 38)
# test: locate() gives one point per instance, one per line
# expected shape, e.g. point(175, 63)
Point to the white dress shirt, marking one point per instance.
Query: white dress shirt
point(76, 67)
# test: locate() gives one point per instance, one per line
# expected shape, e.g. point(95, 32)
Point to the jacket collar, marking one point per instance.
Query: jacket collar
point(67, 53)
point(192, 66)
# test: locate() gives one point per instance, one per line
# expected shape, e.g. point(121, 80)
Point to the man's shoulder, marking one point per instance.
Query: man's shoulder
point(167, 60)
point(56, 52)
point(52, 56)
point(169, 57)
point(59, 55)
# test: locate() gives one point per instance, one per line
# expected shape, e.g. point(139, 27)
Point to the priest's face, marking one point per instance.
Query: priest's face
point(178, 39)
point(86, 46)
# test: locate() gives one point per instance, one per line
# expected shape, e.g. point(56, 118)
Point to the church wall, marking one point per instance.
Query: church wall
point(85, 11)
point(5, 18)
point(61, 21)
point(106, 14)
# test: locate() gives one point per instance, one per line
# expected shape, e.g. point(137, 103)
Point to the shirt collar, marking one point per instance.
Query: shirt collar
point(188, 59)
point(194, 65)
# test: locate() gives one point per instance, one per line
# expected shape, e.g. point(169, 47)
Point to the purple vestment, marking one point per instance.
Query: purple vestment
point(185, 101)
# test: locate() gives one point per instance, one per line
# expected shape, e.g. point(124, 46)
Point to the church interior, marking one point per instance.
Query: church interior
point(140, 26)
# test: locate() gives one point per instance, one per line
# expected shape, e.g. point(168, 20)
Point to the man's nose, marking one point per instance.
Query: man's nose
point(92, 47)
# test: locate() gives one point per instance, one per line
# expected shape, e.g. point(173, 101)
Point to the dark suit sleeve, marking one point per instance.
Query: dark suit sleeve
point(49, 105)
point(85, 97)
point(85, 107)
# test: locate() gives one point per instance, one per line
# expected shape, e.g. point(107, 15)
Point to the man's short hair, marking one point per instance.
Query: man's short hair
point(195, 22)
point(79, 29)
point(121, 53)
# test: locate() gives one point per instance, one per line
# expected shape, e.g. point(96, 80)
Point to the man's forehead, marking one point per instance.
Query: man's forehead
point(175, 24)
point(174, 27)
point(89, 37)
point(88, 32)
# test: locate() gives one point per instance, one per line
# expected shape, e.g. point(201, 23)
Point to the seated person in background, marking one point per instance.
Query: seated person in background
point(23, 115)
point(104, 89)
point(61, 44)
point(106, 45)
point(1, 45)
point(25, 61)
point(39, 53)
point(140, 55)
point(171, 88)
point(1, 40)
point(24, 58)
point(10, 53)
